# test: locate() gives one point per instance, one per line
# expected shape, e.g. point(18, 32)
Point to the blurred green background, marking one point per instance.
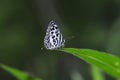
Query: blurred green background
point(93, 24)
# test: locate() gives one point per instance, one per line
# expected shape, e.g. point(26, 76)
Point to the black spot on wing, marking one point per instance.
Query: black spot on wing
point(57, 34)
point(56, 27)
point(53, 37)
point(52, 28)
point(52, 32)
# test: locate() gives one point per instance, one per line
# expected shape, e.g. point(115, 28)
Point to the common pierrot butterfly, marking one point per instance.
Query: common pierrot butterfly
point(53, 38)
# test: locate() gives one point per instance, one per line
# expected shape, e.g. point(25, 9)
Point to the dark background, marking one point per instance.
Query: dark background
point(92, 24)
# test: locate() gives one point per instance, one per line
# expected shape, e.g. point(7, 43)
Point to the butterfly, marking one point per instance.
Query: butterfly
point(53, 38)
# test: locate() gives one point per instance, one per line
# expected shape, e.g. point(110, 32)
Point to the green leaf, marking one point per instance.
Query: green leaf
point(105, 61)
point(96, 73)
point(17, 73)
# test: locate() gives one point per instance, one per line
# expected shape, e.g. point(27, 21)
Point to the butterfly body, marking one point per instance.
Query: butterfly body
point(53, 38)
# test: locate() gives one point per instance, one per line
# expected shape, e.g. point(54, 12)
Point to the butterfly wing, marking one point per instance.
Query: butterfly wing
point(53, 38)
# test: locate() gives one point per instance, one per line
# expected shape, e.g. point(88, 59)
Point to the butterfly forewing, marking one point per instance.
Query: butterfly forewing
point(53, 38)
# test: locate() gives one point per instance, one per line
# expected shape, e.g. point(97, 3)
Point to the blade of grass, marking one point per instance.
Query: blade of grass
point(96, 73)
point(17, 73)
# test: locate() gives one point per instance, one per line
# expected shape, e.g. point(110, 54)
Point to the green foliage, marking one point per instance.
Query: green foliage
point(18, 74)
point(96, 73)
point(105, 61)
point(99, 61)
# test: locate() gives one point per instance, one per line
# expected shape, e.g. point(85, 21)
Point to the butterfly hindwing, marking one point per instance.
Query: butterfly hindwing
point(53, 38)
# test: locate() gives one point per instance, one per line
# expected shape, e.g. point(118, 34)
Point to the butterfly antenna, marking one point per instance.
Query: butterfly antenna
point(71, 37)
point(42, 47)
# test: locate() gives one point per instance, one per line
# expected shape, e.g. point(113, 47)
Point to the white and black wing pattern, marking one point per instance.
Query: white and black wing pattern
point(53, 38)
